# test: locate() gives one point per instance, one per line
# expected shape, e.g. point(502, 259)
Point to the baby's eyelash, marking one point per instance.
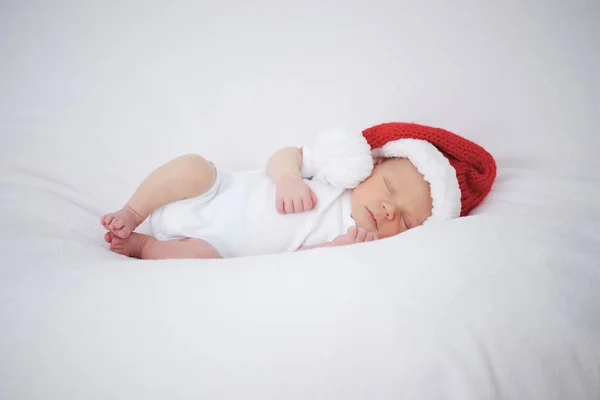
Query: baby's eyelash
point(387, 184)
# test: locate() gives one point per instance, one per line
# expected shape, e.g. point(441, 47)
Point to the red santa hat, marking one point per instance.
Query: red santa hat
point(460, 173)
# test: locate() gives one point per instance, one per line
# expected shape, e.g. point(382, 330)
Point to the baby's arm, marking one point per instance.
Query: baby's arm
point(292, 193)
point(316, 246)
point(352, 235)
point(285, 163)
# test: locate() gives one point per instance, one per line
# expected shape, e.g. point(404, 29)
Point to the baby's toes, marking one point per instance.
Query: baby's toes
point(117, 224)
point(117, 240)
point(117, 243)
point(107, 219)
point(122, 234)
point(116, 227)
point(108, 237)
point(119, 249)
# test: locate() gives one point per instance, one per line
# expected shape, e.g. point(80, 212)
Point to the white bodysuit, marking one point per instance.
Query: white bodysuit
point(238, 216)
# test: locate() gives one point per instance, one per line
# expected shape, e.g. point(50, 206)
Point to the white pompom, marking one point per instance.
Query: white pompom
point(341, 158)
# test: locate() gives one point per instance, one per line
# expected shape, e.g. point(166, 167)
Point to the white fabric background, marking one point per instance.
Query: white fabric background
point(503, 304)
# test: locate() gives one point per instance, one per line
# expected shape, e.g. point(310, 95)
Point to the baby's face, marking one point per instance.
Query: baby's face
point(393, 199)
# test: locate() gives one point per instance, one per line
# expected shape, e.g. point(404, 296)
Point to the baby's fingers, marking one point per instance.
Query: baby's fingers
point(313, 197)
point(370, 237)
point(280, 205)
point(298, 207)
point(351, 232)
point(361, 236)
point(288, 206)
point(307, 202)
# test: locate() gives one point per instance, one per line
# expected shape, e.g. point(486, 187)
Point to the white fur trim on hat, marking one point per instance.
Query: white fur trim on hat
point(435, 168)
point(338, 158)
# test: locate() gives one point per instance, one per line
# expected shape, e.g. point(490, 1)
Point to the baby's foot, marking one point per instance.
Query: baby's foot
point(130, 247)
point(122, 222)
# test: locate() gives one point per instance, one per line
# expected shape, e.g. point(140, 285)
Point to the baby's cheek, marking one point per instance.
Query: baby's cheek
point(389, 230)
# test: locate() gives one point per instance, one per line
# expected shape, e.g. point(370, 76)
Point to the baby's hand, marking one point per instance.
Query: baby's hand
point(354, 235)
point(293, 195)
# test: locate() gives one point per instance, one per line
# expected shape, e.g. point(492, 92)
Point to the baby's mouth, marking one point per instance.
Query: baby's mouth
point(373, 220)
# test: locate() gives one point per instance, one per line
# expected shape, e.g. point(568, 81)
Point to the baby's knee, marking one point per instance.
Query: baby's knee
point(194, 159)
point(200, 170)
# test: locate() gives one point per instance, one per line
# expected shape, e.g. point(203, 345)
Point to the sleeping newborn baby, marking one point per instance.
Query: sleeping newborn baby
point(304, 198)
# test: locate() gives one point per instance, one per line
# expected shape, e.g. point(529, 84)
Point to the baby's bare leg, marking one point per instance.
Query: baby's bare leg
point(146, 247)
point(184, 177)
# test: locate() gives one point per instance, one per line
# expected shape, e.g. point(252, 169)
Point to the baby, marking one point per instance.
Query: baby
point(196, 210)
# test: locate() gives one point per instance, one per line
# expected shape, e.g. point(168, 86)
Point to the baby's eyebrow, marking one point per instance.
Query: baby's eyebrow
point(391, 183)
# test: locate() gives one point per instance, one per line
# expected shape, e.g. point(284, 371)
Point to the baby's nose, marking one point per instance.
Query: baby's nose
point(390, 210)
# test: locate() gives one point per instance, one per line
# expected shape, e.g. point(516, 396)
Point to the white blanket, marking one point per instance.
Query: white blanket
point(502, 304)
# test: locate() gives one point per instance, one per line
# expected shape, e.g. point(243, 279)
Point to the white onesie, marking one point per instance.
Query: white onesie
point(238, 216)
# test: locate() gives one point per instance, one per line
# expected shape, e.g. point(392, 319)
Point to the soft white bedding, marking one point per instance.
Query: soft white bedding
point(501, 304)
